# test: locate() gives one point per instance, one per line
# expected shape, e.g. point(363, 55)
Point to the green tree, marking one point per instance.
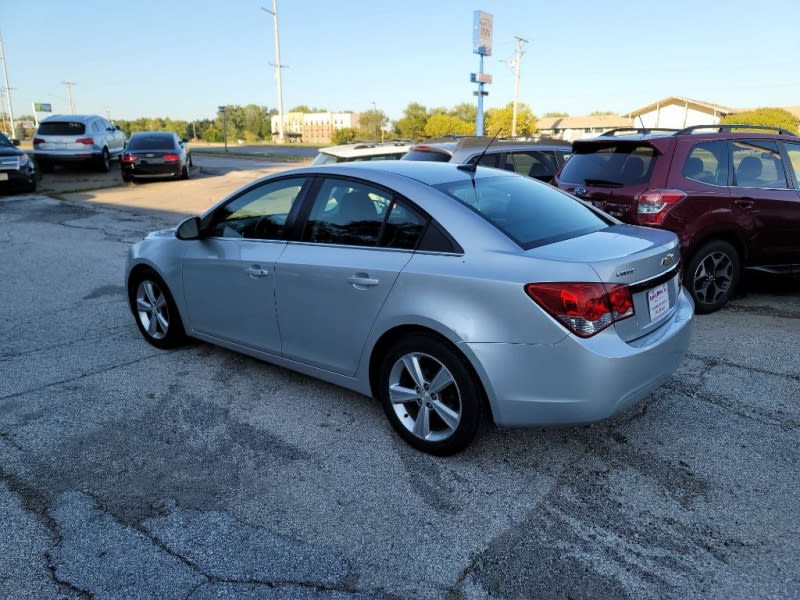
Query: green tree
point(554, 115)
point(412, 124)
point(601, 113)
point(465, 111)
point(771, 117)
point(344, 135)
point(443, 124)
point(501, 119)
point(371, 123)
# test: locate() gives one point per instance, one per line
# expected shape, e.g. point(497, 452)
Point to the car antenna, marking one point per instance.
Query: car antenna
point(471, 168)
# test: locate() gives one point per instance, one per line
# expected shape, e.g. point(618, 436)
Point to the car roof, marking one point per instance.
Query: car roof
point(714, 131)
point(366, 148)
point(70, 118)
point(429, 173)
point(152, 134)
point(482, 142)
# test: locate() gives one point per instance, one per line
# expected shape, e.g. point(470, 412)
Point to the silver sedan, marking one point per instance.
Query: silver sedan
point(452, 294)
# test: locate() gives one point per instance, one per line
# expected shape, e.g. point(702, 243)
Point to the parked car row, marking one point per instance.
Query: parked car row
point(730, 192)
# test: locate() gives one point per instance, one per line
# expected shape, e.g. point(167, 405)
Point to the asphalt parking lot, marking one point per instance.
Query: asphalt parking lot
point(128, 472)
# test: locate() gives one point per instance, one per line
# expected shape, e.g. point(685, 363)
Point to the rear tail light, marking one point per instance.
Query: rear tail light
point(655, 204)
point(37, 141)
point(128, 159)
point(583, 308)
point(171, 158)
point(85, 141)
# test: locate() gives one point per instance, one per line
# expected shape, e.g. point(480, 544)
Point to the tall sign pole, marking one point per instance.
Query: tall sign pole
point(517, 63)
point(8, 90)
point(278, 67)
point(482, 23)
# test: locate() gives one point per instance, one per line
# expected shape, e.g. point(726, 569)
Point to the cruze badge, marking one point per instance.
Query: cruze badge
point(579, 191)
point(667, 260)
point(625, 272)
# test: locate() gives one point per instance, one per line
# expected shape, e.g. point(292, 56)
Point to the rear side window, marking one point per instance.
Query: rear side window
point(529, 212)
point(758, 164)
point(62, 128)
point(151, 142)
point(612, 164)
point(707, 163)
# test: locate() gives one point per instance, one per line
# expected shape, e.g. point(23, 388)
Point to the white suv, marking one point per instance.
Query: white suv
point(71, 139)
point(361, 151)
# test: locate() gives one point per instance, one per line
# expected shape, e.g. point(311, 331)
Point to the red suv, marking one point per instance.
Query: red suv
point(730, 192)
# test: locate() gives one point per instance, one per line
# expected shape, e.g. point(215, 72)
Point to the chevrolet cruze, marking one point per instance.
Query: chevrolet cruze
point(451, 293)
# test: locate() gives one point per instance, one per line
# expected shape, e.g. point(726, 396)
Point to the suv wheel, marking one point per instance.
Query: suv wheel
point(104, 162)
point(712, 276)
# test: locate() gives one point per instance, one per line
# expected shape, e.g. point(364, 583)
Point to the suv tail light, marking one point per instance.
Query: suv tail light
point(171, 158)
point(583, 308)
point(128, 159)
point(37, 141)
point(86, 141)
point(655, 204)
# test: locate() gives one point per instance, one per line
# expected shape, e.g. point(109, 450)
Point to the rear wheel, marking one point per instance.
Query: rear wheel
point(155, 311)
point(430, 395)
point(104, 162)
point(185, 171)
point(712, 276)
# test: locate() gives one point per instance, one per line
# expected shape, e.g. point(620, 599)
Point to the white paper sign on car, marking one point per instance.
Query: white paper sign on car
point(658, 301)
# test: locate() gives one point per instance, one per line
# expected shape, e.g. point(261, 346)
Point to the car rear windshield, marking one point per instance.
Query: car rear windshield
point(614, 164)
point(62, 128)
point(429, 155)
point(151, 142)
point(530, 212)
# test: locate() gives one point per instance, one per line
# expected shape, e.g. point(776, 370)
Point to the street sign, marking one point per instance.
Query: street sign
point(221, 109)
point(480, 78)
point(482, 23)
point(42, 107)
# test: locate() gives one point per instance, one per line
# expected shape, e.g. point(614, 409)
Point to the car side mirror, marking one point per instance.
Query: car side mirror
point(15, 142)
point(189, 229)
point(184, 140)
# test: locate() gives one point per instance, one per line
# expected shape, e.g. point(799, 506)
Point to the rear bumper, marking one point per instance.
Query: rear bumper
point(67, 158)
point(581, 381)
point(168, 170)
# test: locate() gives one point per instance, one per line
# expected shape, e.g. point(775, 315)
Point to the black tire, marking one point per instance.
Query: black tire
point(126, 178)
point(104, 162)
point(155, 311)
point(30, 187)
point(440, 409)
point(185, 171)
point(712, 276)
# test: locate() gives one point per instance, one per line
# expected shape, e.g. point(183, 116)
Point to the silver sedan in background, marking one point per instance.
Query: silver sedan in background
point(451, 293)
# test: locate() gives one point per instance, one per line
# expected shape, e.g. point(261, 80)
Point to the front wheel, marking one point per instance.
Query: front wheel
point(155, 311)
point(430, 395)
point(712, 276)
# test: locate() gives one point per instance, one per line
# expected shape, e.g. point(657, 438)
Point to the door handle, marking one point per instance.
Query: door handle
point(256, 271)
point(362, 280)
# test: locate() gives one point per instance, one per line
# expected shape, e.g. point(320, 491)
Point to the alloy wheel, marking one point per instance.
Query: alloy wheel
point(152, 309)
point(713, 277)
point(425, 397)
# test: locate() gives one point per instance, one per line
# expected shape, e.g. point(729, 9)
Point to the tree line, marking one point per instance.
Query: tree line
point(252, 123)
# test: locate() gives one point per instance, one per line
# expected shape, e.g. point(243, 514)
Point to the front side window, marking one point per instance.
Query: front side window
point(758, 164)
point(260, 213)
point(357, 214)
point(793, 150)
point(530, 213)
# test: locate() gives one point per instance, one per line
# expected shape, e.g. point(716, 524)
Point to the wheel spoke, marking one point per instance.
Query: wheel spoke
point(149, 292)
point(441, 381)
point(422, 426)
point(163, 322)
point(399, 394)
point(448, 415)
point(161, 302)
point(152, 325)
point(411, 363)
point(143, 305)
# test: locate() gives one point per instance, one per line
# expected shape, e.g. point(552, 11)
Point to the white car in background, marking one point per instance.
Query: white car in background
point(77, 139)
point(362, 151)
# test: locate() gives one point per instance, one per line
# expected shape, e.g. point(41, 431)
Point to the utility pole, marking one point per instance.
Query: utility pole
point(278, 66)
point(516, 65)
point(69, 85)
point(8, 90)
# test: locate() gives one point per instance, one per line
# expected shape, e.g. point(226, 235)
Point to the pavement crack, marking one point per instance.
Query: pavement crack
point(79, 377)
point(715, 362)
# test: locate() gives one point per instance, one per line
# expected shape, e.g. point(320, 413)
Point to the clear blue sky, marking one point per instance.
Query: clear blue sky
point(181, 59)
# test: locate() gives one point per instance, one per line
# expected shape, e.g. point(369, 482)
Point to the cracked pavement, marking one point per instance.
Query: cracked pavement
point(128, 472)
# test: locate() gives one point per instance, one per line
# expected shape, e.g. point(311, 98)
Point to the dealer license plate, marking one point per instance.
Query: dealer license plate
point(3, 176)
point(658, 301)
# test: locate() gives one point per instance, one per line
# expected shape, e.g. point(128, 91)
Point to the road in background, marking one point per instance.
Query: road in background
point(130, 472)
